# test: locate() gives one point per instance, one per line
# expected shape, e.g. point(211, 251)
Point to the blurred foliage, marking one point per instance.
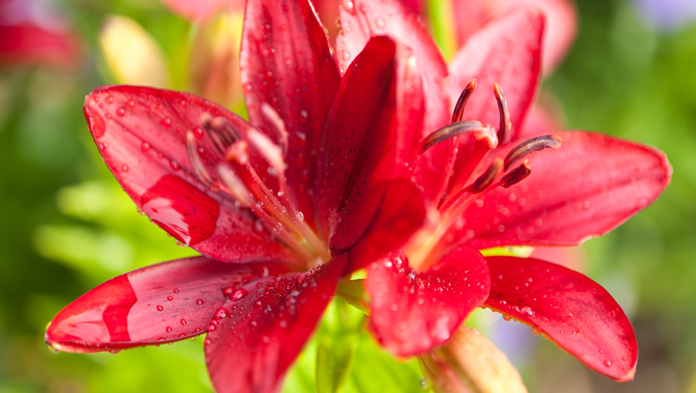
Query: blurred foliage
point(68, 226)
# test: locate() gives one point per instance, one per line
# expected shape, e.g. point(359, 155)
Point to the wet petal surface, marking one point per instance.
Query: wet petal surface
point(371, 137)
point(602, 182)
point(569, 308)
point(161, 303)
point(363, 19)
point(254, 338)
point(141, 133)
point(411, 313)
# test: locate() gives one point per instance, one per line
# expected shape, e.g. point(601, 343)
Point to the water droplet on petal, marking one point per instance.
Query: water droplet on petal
point(239, 294)
point(221, 313)
point(145, 146)
point(199, 301)
point(169, 329)
point(160, 308)
point(303, 117)
point(207, 341)
point(183, 322)
point(124, 168)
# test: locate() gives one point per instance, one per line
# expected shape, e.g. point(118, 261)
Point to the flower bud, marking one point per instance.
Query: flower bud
point(213, 69)
point(469, 363)
point(132, 54)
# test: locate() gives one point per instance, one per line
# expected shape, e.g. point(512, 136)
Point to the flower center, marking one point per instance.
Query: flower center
point(235, 178)
point(471, 181)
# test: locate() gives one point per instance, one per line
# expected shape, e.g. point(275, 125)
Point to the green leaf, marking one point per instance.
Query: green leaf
point(334, 361)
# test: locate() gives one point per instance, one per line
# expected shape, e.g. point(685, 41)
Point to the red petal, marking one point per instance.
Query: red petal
point(570, 309)
point(371, 136)
point(363, 19)
point(506, 51)
point(141, 133)
point(28, 44)
point(410, 313)
point(400, 213)
point(253, 340)
point(166, 302)
point(589, 186)
point(200, 10)
point(560, 30)
point(286, 62)
point(571, 257)
point(542, 120)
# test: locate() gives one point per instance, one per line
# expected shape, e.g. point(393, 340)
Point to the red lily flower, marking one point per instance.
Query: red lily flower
point(27, 39)
point(498, 193)
point(281, 209)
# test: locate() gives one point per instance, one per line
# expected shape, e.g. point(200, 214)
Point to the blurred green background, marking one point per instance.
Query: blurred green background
point(67, 226)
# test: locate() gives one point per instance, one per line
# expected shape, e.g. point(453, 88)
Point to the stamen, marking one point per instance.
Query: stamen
point(274, 118)
point(487, 178)
point(450, 131)
point(458, 112)
point(505, 124)
point(269, 150)
point(197, 164)
point(235, 185)
point(530, 146)
point(516, 175)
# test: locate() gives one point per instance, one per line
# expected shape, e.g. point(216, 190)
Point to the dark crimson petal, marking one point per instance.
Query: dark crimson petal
point(411, 313)
point(589, 186)
point(401, 212)
point(362, 19)
point(569, 308)
point(28, 44)
point(141, 133)
point(166, 302)
point(371, 137)
point(252, 341)
point(506, 51)
point(561, 27)
point(286, 62)
point(200, 10)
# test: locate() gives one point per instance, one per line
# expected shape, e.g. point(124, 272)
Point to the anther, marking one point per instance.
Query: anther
point(487, 178)
point(530, 146)
point(516, 175)
point(505, 124)
point(238, 153)
point(221, 130)
point(269, 150)
point(274, 118)
point(458, 112)
point(234, 185)
point(450, 131)
point(197, 164)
